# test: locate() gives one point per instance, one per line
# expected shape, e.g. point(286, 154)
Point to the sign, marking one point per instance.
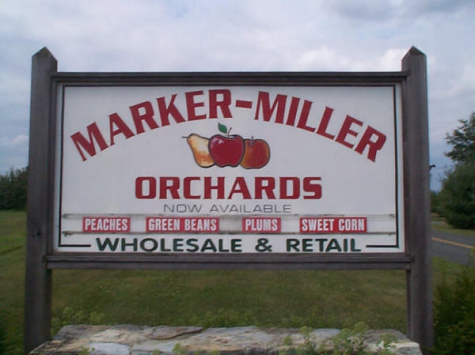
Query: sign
point(241, 171)
point(229, 169)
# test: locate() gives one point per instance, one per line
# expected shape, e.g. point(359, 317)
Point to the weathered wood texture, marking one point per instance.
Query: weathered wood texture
point(416, 190)
point(41, 260)
point(232, 78)
point(230, 261)
point(40, 203)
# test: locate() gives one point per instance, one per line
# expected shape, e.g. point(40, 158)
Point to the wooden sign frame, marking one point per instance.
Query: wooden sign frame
point(42, 260)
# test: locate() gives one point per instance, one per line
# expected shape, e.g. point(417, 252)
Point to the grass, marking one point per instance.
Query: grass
point(439, 223)
point(12, 250)
point(232, 298)
point(329, 299)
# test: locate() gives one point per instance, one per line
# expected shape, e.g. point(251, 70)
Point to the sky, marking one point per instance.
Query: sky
point(244, 35)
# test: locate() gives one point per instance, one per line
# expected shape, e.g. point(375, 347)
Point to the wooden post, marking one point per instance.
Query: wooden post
point(41, 187)
point(417, 200)
point(38, 280)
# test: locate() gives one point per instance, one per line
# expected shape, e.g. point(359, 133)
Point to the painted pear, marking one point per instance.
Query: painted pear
point(199, 147)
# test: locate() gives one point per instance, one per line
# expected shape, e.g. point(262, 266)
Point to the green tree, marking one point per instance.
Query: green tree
point(462, 141)
point(434, 202)
point(456, 200)
point(13, 189)
point(454, 315)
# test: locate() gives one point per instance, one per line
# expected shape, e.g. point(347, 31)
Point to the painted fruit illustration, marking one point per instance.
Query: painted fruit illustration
point(199, 147)
point(256, 153)
point(226, 150)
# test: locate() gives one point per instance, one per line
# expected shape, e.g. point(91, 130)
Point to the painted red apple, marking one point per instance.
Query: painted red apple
point(226, 150)
point(256, 154)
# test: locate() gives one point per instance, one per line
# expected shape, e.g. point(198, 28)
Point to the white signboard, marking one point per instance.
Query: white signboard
point(230, 169)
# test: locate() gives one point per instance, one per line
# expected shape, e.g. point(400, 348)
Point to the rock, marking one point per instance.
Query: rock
point(108, 349)
point(79, 331)
point(148, 347)
point(142, 340)
point(375, 336)
point(69, 339)
point(163, 332)
point(119, 336)
point(407, 348)
point(320, 335)
point(231, 340)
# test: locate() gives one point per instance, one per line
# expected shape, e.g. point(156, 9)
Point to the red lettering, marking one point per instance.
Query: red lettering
point(146, 115)
point(373, 145)
point(263, 103)
point(105, 224)
point(268, 188)
point(223, 104)
point(322, 127)
point(346, 130)
point(209, 187)
point(151, 191)
point(94, 135)
point(122, 128)
point(261, 225)
point(294, 106)
point(163, 224)
point(173, 187)
point(312, 184)
point(166, 111)
point(240, 186)
point(294, 192)
point(187, 187)
point(191, 105)
point(304, 117)
point(327, 225)
point(195, 187)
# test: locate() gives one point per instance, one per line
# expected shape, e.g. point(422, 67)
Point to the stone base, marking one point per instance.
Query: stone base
point(142, 340)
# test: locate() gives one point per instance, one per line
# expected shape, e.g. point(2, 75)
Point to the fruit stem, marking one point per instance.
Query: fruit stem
point(229, 131)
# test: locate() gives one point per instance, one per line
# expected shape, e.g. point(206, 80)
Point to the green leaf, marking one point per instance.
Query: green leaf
point(222, 128)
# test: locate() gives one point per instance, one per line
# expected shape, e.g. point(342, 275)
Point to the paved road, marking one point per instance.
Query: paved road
point(452, 247)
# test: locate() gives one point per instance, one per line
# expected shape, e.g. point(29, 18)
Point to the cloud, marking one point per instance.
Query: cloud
point(464, 82)
point(20, 140)
point(18, 88)
point(364, 10)
point(424, 7)
point(244, 35)
point(390, 60)
point(13, 152)
point(321, 59)
point(380, 11)
point(326, 59)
